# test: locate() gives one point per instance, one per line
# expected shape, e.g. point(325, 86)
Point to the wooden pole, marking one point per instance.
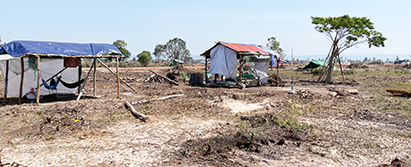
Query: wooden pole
point(118, 79)
point(116, 74)
point(206, 77)
point(21, 79)
point(38, 81)
point(80, 72)
point(84, 83)
point(94, 77)
point(278, 77)
point(6, 79)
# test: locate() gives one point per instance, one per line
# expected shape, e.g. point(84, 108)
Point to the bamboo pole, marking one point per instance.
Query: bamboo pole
point(21, 79)
point(38, 81)
point(6, 79)
point(118, 79)
point(116, 74)
point(94, 77)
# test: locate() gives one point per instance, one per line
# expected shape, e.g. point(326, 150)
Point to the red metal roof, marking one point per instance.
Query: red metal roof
point(243, 47)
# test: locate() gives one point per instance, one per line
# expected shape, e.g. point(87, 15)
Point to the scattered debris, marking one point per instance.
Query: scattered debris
point(160, 78)
point(273, 79)
point(305, 94)
point(357, 65)
point(394, 163)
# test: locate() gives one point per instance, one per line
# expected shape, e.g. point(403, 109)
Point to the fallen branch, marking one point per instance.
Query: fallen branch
point(157, 99)
point(134, 112)
point(168, 79)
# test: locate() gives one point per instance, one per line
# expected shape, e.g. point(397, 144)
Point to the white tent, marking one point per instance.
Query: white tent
point(48, 67)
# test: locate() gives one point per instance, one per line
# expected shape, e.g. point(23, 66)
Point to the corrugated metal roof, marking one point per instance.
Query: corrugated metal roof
point(243, 47)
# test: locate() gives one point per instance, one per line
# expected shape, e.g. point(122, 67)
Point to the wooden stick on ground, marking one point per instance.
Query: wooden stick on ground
point(134, 112)
point(168, 79)
point(157, 99)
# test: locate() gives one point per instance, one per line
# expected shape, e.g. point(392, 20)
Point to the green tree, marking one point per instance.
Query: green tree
point(176, 49)
point(144, 58)
point(273, 44)
point(159, 51)
point(345, 32)
point(121, 45)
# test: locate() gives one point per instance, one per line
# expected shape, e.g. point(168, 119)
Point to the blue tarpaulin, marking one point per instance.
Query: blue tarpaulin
point(20, 48)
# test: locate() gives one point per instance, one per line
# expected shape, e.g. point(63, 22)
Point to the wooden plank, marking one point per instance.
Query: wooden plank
point(168, 79)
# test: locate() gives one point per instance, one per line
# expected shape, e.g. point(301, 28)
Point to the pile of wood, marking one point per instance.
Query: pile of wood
point(273, 79)
point(305, 94)
point(159, 78)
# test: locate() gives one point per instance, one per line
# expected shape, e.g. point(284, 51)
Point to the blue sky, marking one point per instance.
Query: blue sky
point(144, 24)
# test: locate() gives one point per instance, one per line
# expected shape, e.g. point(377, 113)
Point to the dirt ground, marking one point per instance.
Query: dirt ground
point(318, 125)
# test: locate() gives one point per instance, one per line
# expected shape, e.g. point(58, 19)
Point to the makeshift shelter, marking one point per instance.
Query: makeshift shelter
point(24, 64)
point(315, 64)
point(224, 58)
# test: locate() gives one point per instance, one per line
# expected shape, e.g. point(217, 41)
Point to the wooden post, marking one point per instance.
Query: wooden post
point(118, 79)
point(80, 73)
point(206, 77)
point(115, 74)
point(21, 79)
point(94, 77)
point(38, 81)
point(278, 77)
point(6, 79)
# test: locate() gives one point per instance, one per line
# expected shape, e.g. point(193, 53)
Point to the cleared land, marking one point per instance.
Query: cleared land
point(319, 125)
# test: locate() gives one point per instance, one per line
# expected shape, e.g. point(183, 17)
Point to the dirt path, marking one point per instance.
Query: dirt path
point(257, 126)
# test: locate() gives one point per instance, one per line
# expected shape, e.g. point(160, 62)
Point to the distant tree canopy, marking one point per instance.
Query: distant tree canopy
point(121, 45)
point(159, 51)
point(273, 44)
point(345, 32)
point(174, 49)
point(144, 58)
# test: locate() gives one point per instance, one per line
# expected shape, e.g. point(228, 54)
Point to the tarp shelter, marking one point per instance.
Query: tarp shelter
point(224, 57)
point(315, 64)
point(21, 75)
